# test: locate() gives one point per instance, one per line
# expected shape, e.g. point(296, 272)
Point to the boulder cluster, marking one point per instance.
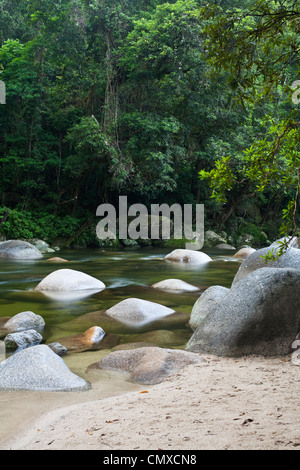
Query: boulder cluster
point(259, 314)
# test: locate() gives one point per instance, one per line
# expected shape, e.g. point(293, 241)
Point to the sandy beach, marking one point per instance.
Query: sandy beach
point(226, 403)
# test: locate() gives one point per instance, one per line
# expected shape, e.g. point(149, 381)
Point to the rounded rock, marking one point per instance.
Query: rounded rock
point(66, 280)
point(38, 368)
point(188, 256)
point(175, 285)
point(24, 321)
point(18, 249)
point(138, 311)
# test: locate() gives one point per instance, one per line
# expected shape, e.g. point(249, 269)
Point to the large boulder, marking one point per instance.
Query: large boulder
point(18, 249)
point(138, 311)
point(205, 303)
point(39, 368)
point(148, 365)
point(188, 256)
point(67, 280)
point(175, 285)
point(259, 315)
point(290, 259)
point(24, 321)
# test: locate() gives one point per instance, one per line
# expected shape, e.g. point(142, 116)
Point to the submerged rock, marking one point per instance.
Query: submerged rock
point(137, 311)
point(66, 280)
point(148, 365)
point(57, 259)
point(18, 249)
point(164, 338)
point(188, 256)
point(259, 315)
point(175, 285)
point(39, 368)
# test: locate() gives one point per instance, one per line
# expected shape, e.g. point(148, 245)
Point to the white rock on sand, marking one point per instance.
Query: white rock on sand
point(238, 404)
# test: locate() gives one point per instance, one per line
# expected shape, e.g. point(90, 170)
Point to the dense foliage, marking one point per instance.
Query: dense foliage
point(140, 97)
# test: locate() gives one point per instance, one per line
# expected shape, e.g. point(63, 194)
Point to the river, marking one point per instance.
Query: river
point(126, 273)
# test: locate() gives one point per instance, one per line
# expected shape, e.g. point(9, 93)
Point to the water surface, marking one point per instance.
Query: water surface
point(125, 274)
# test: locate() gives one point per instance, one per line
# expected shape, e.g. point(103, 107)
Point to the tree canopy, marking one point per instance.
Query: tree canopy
point(178, 101)
point(259, 48)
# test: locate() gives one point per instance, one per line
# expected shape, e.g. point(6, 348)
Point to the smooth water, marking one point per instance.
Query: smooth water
point(125, 274)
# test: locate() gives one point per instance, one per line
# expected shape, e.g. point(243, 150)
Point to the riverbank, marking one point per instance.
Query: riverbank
point(226, 403)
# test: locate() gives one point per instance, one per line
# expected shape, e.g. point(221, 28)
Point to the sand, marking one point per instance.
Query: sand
point(234, 404)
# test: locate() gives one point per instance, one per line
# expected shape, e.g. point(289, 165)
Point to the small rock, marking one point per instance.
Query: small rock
point(86, 341)
point(211, 239)
point(128, 243)
point(246, 239)
point(188, 256)
point(224, 246)
point(41, 245)
point(175, 285)
point(58, 348)
point(22, 339)
point(57, 259)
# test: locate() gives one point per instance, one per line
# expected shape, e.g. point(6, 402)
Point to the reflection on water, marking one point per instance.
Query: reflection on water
point(72, 296)
point(125, 274)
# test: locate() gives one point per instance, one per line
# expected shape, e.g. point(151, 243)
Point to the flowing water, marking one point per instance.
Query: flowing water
point(125, 274)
